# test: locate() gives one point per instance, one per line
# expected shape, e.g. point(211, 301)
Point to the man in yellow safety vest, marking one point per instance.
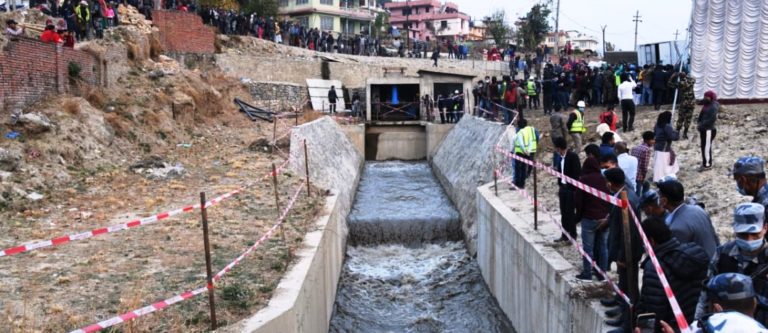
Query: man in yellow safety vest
point(576, 126)
point(526, 142)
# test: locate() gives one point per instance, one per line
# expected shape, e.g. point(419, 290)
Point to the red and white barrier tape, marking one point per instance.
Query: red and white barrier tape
point(127, 225)
point(263, 238)
point(682, 324)
point(584, 187)
point(128, 316)
point(573, 241)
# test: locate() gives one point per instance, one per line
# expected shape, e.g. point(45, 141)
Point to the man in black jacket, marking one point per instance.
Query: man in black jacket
point(570, 165)
point(626, 264)
point(659, 86)
point(685, 267)
point(706, 127)
point(332, 97)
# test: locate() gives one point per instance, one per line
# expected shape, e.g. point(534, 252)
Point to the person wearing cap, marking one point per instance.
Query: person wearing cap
point(649, 204)
point(688, 223)
point(685, 267)
point(576, 125)
point(747, 254)
point(706, 127)
point(749, 174)
point(733, 301)
point(13, 31)
point(616, 182)
point(83, 19)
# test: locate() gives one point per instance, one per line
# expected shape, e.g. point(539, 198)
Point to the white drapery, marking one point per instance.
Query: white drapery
point(730, 48)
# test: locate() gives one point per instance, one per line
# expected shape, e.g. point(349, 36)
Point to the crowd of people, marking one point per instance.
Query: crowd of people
point(715, 283)
point(70, 21)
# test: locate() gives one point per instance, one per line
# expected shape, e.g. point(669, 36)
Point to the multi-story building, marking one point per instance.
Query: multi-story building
point(340, 16)
point(579, 41)
point(423, 19)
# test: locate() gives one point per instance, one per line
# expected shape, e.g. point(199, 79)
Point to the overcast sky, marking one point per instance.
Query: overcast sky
point(659, 18)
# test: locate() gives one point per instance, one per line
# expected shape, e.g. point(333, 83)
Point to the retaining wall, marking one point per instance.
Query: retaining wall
point(534, 285)
point(303, 301)
point(31, 69)
point(182, 32)
point(463, 162)
point(278, 95)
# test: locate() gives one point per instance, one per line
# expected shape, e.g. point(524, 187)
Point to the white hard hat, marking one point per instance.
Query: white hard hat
point(456, 92)
point(581, 104)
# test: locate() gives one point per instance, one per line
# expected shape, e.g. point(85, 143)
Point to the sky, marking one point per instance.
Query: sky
point(660, 18)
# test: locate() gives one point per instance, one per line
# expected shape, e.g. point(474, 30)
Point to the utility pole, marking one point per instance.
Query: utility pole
point(636, 20)
point(557, 29)
point(407, 25)
point(346, 21)
point(603, 27)
point(677, 32)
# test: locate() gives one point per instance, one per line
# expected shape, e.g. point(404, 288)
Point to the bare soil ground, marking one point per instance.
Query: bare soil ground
point(80, 167)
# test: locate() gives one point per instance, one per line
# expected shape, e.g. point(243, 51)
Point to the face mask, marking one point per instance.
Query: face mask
point(602, 172)
point(749, 246)
point(741, 190)
point(581, 109)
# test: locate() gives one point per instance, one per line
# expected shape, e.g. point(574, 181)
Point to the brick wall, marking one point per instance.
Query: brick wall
point(30, 70)
point(182, 32)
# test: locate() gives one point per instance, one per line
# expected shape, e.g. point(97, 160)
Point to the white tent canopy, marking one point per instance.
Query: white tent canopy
point(730, 48)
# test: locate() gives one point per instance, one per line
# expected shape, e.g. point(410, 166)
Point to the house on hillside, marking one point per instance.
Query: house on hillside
point(339, 16)
point(422, 19)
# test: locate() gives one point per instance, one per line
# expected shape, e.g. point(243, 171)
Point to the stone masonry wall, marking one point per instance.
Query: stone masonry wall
point(277, 96)
point(463, 162)
point(31, 69)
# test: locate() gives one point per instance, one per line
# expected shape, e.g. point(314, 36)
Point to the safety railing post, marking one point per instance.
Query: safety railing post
point(306, 168)
point(277, 199)
point(535, 200)
point(208, 272)
point(628, 257)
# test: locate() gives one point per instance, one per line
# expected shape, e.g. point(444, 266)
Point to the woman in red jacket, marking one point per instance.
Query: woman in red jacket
point(609, 117)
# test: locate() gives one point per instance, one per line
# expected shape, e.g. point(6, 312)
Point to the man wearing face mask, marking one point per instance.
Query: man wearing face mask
point(576, 125)
point(688, 223)
point(747, 254)
point(749, 174)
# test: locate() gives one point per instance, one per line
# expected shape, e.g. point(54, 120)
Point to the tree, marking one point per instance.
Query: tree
point(223, 4)
point(382, 20)
point(263, 8)
point(609, 47)
point(533, 27)
point(497, 27)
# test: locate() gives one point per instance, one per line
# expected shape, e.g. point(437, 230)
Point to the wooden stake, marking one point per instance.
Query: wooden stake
point(277, 199)
point(628, 261)
point(208, 272)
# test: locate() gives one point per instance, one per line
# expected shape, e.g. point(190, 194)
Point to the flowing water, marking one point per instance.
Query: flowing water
point(406, 269)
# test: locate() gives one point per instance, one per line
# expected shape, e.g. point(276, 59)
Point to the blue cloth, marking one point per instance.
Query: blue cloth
point(12, 135)
point(595, 245)
point(605, 149)
point(691, 224)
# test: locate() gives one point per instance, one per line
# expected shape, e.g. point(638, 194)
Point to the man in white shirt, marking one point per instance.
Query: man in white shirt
point(626, 89)
point(627, 162)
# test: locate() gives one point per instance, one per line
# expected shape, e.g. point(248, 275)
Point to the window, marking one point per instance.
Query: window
point(443, 24)
point(326, 22)
point(282, 3)
point(303, 21)
point(326, 2)
point(427, 9)
point(301, 2)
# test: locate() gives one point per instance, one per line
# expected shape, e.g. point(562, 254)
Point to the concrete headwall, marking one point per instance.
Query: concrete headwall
point(395, 143)
point(435, 135)
point(462, 163)
point(534, 285)
point(304, 298)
